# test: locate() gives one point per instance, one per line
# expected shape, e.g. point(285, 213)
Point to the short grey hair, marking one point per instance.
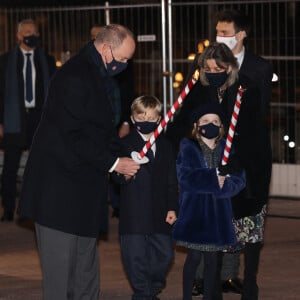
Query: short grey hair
point(113, 34)
point(26, 21)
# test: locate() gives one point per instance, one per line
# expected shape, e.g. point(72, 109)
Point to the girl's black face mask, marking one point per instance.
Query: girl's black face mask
point(209, 130)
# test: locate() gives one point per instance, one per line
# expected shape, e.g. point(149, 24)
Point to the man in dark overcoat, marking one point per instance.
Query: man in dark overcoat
point(66, 177)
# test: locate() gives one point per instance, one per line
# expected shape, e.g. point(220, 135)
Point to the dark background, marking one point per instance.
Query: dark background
point(45, 3)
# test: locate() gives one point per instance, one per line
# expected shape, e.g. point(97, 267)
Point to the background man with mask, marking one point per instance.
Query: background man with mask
point(65, 182)
point(24, 75)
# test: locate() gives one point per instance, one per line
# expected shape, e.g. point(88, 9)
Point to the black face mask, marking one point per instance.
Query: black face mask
point(115, 67)
point(216, 79)
point(31, 41)
point(145, 127)
point(209, 130)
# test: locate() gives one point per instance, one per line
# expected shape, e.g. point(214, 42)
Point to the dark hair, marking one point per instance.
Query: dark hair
point(223, 57)
point(240, 21)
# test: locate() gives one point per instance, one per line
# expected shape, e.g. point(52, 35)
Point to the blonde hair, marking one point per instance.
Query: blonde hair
point(224, 59)
point(140, 104)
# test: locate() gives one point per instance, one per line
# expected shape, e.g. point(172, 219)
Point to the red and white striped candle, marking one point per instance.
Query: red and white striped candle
point(233, 121)
point(140, 156)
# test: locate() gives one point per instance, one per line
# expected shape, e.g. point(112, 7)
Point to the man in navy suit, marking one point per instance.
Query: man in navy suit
point(22, 93)
point(65, 182)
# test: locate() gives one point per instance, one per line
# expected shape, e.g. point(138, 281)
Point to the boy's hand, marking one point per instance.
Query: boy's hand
point(171, 217)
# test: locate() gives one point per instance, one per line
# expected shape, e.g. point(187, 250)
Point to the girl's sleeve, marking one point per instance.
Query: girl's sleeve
point(192, 173)
point(233, 185)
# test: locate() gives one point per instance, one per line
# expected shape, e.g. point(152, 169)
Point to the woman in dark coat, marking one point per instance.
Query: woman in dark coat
point(251, 142)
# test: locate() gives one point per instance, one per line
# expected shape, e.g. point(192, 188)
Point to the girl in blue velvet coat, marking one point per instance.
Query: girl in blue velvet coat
point(204, 224)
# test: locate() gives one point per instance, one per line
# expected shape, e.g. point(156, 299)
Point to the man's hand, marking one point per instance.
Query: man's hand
point(171, 217)
point(127, 166)
point(124, 130)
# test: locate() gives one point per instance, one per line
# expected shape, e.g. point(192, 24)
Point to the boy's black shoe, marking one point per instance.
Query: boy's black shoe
point(115, 213)
point(197, 290)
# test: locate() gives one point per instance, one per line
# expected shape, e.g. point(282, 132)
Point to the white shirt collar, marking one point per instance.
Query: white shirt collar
point(153, 147)
point(240, 57)
point(25, 52)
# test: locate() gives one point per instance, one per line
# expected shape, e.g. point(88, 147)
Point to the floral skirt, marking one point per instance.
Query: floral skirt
point(251, 229)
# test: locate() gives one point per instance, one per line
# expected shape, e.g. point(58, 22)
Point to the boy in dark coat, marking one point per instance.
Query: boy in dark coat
point(148, 204)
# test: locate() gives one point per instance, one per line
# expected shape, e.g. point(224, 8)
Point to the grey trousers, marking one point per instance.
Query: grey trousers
point(230, 267)
point(70, 265)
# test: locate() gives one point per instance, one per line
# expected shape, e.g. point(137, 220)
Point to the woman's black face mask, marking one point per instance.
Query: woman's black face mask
point(216, 79)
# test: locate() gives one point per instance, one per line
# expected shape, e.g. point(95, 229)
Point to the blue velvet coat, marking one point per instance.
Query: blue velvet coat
point(205, 214)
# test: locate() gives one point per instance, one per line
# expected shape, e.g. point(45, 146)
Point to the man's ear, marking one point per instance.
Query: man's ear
point(241, 35)
point(19, 37)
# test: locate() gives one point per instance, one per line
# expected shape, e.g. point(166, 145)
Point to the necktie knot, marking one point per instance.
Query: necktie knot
point(150, 155)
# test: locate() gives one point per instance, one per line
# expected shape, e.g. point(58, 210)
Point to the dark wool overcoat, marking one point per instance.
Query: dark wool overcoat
point(205, 212)
point(146, 199)
point(252, 136)
point(65, 180)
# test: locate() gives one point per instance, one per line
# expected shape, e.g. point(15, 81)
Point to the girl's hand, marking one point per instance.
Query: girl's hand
point(171, 217)
point(221, 180)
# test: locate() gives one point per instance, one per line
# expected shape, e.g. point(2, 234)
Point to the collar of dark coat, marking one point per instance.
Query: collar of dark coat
point(93, 56)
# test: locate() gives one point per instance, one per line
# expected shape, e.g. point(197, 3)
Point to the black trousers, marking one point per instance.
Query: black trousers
point(11, 162)
point(12, 156)
point(251, 259)
point(146, 259)
point(212, 269)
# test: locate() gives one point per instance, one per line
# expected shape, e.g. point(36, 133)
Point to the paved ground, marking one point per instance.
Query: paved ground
point(279, 276)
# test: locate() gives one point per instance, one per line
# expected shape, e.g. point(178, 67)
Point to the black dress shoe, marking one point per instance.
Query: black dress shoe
point(197, 290)
point(8, 216)
point(233, 285)
point(115, 213)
